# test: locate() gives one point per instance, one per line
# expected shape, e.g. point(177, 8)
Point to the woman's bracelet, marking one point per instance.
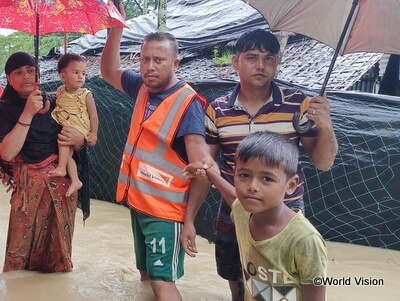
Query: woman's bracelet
point(23, 124)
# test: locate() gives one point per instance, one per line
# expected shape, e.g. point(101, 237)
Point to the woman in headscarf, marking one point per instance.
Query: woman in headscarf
point(41, 221)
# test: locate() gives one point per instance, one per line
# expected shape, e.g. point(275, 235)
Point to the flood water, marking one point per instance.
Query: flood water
point(104, 266)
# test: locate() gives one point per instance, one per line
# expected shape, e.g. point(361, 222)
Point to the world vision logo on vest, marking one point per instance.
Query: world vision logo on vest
point(153, 175)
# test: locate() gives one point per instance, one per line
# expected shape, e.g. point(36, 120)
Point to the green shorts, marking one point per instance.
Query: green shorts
point(157, 247)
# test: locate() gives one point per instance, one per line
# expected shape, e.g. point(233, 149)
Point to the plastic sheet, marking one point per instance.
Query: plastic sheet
point(195, 24)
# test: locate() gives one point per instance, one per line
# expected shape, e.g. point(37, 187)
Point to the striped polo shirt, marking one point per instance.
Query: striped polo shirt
point(227, 123)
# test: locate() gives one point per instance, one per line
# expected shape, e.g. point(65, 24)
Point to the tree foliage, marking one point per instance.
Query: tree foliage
point(134, 8)
point(20, 41)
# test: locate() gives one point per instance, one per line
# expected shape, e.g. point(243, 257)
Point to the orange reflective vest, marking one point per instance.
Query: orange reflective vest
point(150, 178)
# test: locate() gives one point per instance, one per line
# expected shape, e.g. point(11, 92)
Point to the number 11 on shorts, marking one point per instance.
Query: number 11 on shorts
point(160, 243)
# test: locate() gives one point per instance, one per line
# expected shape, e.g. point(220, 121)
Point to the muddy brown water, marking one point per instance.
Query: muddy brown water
point(104, 267)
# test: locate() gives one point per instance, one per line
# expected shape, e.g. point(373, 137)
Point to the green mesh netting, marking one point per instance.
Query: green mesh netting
point(357, 201)
point(114, 110)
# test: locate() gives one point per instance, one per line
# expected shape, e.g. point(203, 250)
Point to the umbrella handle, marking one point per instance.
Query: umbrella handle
point(46, 102)
point(46, 107)
point(301, 129)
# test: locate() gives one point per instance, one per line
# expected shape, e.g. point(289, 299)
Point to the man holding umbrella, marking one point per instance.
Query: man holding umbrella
point(259, 104)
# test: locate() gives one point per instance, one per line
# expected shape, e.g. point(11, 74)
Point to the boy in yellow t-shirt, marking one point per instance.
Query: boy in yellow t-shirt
point(280, 250)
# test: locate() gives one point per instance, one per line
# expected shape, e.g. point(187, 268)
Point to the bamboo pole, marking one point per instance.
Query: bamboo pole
point(65, 42)
point(145, 9)
point(162, 16)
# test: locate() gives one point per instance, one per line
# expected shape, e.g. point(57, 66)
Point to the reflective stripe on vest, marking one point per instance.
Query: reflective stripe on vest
point(161, 147)
point(150, 168)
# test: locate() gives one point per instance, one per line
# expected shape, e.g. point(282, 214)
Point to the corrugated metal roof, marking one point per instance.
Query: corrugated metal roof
point(306, 63)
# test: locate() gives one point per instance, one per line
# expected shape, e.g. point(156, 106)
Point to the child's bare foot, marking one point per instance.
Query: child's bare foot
point(58, 172)
point(73, 187)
